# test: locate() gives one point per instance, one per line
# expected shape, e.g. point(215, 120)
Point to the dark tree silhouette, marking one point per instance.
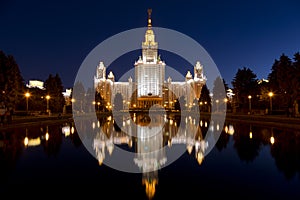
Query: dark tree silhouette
point(219, 94)
point(11, 82)
point(247, 149)
point(89, 99)
point(118, 102)
point(286, 152)
point(78, 94)
point(54, 88)
point(244, 84)
point(205, 100)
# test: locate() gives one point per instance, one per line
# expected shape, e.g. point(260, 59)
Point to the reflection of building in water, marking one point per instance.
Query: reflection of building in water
point(107, 137)
point(148, 158)
point(149, 86)
point(191, 136)
point(150, 180)
point(229, 129)
point(150, 153)
point(150, 150)
point(67, 130)
point(152, 136)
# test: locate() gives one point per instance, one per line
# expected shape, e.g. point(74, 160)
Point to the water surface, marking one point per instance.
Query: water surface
point(248, 161)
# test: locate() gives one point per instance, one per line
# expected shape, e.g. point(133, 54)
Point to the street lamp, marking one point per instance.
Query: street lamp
point(249, 97)
point(217, 101)
point(47, 98)
point(98, 103)
point(270, 95)
point(27, 95)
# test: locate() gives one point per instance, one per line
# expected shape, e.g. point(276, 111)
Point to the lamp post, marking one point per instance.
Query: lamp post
point(98, 103)
point(47, 98)
point(225, 101)
point(270, 95)
point(94, 103)
point(249, 97)
point(217, 101)
point(27, 95)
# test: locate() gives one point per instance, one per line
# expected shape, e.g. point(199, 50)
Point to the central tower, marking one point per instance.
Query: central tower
point(149, 71)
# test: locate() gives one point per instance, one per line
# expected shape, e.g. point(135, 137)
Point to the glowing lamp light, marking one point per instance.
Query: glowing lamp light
point(26, 141)
point(47, 136)
point(270, 94)
point(27, 94)
point(72, 130)
point(272, 140)
point(226, 129)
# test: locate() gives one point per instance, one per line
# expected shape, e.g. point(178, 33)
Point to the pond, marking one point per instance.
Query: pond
point(246, 161)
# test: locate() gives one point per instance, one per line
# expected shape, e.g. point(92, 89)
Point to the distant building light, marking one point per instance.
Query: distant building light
point(263, 80)
point(67, 93)
point(35, 84)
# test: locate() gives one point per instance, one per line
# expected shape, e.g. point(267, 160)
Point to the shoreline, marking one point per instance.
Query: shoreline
point(23, 121)
point(281, 121)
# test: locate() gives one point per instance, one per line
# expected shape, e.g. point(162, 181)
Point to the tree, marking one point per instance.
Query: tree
point(89, 99)
point(205, 100)
point(11, 81)
point(179, 103)
point(296, 79)
point(219, 93)
point(54, 88)
point(283, 82)
point(78, 94)
point(244, 84)
point(118, 102)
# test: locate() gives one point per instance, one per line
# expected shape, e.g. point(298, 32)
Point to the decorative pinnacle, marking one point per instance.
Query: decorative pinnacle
point(149, 17)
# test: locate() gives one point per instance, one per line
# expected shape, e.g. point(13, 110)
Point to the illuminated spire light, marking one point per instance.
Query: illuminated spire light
point(149, 17)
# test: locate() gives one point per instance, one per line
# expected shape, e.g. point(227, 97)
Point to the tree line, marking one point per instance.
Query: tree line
point(13, 89)
point(283, 82)
point(279, 92)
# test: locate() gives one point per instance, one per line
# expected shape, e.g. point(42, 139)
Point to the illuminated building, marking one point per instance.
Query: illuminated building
point(150, 86)
point(35, 84)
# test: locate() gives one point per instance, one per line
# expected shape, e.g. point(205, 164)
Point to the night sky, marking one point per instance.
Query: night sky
point(55, 36)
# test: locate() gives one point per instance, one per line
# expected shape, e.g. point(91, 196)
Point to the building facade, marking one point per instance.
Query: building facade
point(150, 86)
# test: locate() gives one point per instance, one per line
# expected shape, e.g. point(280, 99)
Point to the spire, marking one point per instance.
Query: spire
point(149, 17)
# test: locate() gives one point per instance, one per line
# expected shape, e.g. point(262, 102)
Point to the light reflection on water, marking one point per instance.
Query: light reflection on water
point(256, 146)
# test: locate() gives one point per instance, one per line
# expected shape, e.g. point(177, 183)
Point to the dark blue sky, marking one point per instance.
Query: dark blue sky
point(55, 36)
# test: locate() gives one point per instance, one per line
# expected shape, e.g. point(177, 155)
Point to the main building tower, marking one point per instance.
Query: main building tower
point(149, 71)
